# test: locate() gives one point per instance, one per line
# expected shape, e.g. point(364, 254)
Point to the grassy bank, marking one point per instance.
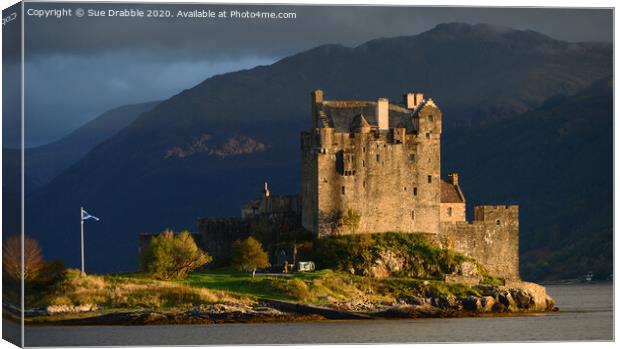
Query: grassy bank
point(131, 291)
point(229, 296)
point(139, 291)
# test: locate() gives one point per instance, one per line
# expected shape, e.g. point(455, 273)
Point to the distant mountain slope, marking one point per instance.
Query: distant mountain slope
point(556, 162)
point(475, 73)
point(45, 162)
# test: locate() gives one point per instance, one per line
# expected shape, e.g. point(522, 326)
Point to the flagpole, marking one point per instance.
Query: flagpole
point(82, 236)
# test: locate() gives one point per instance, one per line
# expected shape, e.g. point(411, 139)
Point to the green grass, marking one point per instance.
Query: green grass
point(238, 283)
point(285, 287)
point(324, 286)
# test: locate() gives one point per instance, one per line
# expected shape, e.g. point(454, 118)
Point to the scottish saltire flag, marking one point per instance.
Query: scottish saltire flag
point(86, 215)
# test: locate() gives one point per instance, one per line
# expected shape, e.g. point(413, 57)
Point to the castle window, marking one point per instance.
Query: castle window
point(405, 188)
point(363, 163)
point(415, 191)
point(449, 211)
point(413, 215)
point(363, 149)
point(497, 222)
point(430, 118)
point(412, 157)
point(364, 184)
point(342, 190)
point(428, 135)
point(378, 158)
point(430, 178)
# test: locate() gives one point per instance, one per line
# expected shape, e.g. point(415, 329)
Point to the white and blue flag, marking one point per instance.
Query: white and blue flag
point(86, 215)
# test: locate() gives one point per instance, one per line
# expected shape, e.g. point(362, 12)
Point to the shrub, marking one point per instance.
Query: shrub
point(172, 256)
point(359, 252)
point(351, 220)
point(11, 258)
point(249, 254)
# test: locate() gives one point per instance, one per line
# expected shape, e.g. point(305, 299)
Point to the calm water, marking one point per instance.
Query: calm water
point(586, 314)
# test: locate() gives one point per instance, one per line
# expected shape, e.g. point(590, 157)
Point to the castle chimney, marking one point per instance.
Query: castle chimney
point(316, 97)
point(383, 113)
point(409, 100)
point(266, 190)
point(454, 178)
point(413, 99)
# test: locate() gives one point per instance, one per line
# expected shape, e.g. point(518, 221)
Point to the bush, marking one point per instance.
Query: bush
point(351, 220)
point(359, 253)
point(172, 256)
point(249, 254)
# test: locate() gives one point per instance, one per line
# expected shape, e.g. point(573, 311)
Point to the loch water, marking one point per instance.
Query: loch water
point(586, 313)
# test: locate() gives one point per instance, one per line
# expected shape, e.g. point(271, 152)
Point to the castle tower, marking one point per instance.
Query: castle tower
point(374, 157)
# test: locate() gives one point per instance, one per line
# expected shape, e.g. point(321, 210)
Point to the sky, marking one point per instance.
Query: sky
point(77, 68)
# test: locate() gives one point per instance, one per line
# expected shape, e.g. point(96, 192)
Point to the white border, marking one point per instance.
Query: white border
point(468, 3)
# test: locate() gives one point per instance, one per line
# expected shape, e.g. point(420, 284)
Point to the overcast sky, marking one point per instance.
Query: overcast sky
point(77, 68)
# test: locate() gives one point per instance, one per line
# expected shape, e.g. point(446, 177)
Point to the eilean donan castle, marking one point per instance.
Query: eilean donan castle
point(381, 162)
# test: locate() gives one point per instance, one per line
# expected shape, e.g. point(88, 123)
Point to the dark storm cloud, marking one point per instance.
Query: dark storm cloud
point(76, 68)
point(224, 38)
point(64, 91)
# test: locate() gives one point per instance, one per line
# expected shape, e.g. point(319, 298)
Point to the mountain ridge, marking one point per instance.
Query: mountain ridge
point(44, 162)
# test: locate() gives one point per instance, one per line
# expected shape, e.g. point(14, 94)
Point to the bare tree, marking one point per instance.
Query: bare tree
point(11, 258)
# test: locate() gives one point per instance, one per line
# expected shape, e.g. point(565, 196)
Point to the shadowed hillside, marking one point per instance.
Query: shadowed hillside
point(237, 130)
point(45, 162)
point(556, 162)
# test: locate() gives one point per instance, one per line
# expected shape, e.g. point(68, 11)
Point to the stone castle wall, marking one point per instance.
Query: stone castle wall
point(390, 177)
point(452, 212)
point(218, 234)
point(492, 238)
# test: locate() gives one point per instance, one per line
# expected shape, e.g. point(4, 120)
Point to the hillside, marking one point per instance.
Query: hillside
point(242, 128)
point(45, 162)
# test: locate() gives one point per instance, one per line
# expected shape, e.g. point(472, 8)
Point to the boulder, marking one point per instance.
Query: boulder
point(522, 299)
point(444, 302)
point(386, 264)
point(467, 273)
point(505, 298)
point(539, 300)
point(499, 308)
point(487, 303)
point(471, 303)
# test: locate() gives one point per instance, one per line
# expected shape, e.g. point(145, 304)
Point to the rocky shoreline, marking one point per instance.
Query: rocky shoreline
point(510, 299)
